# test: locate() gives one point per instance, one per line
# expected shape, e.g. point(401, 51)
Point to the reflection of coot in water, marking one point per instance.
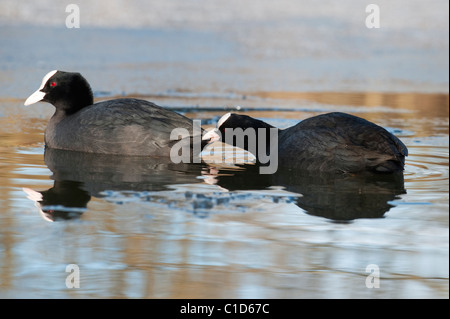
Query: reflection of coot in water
point(101, 172)
point(65, 200)
point(333, 196)
point(78, 176)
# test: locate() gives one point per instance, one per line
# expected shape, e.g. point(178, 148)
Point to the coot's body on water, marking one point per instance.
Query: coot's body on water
point(121, 126)
point(333, 142)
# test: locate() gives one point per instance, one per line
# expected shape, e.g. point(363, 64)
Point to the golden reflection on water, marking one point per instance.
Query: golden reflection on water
point(432, 105)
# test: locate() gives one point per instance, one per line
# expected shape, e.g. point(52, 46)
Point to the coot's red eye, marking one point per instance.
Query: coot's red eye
point(53, 84)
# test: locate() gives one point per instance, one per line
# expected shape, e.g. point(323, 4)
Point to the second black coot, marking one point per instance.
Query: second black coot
point(332, 142)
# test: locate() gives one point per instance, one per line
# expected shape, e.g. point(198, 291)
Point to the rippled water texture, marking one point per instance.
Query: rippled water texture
point(148, 228)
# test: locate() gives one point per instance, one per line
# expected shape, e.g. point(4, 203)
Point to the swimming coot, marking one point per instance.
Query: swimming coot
point(123, 126)
point(332, 142)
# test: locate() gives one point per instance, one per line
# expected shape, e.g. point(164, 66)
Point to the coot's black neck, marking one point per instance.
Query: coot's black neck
point(76, 102)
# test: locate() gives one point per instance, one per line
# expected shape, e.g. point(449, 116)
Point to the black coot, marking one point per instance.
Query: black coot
point(333, 142)
point(122, 126)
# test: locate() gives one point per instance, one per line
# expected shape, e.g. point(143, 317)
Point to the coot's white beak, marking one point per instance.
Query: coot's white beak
point(39, 95)
point(35, 97)
point(212, 135)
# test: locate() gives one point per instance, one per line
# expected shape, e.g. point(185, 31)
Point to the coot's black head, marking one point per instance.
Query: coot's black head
point(228, 125)
point(67, 91)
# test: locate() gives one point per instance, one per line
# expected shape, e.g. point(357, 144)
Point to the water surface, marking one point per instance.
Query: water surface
point(150, 228)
